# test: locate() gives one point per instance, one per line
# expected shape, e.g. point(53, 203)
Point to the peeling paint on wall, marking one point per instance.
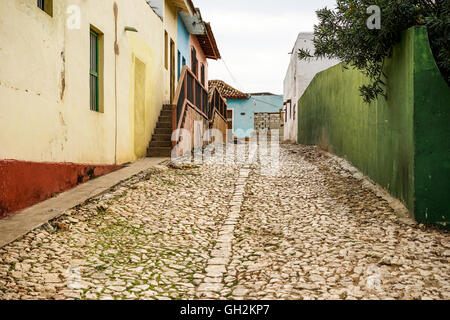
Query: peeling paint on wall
point(63, 75)
point(23, 184)
point(6, 85)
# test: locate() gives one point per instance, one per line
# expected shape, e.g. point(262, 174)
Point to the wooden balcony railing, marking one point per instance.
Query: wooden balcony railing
point(217, 102)
point(190, 93)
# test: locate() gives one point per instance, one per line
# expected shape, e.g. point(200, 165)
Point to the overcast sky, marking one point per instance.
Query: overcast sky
point(255, 36)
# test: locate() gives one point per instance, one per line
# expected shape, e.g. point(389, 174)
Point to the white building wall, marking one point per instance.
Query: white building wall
point(298, 77)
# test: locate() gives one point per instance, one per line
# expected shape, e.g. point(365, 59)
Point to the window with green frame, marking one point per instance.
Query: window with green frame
point(94, 72)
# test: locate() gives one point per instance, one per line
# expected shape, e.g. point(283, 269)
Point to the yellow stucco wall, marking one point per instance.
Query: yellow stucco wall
point(170, 25)
point(44, 81)
point(143, 59)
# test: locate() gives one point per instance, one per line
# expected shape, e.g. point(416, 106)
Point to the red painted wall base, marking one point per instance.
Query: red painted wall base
point(23, 183)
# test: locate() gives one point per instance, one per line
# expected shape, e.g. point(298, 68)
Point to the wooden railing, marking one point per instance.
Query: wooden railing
point(191, 93)
point(217, 102)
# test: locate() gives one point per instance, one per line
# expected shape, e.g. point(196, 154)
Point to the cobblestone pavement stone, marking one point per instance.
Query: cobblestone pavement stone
point(311, 231)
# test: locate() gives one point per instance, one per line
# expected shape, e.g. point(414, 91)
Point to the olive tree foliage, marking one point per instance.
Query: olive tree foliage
point(354, 33)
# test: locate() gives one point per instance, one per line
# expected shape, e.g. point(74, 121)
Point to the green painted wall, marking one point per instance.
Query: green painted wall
point(432, 136)
point(381, 138)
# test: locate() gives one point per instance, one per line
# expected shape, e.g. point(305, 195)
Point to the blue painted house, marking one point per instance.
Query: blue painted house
point(242, 106)
point(195, 44)
point(183, 54)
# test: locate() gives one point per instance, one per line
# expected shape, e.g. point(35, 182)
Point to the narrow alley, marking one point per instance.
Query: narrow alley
point(311, 231)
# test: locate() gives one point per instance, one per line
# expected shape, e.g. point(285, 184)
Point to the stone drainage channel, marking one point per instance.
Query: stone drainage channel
point(221, 253)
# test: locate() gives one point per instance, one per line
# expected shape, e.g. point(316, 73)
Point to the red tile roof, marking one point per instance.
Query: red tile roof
point(226, 91)
point(207, 40)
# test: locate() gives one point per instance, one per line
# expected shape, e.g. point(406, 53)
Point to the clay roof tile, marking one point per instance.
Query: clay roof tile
point(226, 91)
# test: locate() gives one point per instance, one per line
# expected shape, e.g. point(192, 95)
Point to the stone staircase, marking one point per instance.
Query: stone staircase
point(161, 144)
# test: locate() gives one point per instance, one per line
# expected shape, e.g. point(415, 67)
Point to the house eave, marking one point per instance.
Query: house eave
point(185, 6)
point(193, 22)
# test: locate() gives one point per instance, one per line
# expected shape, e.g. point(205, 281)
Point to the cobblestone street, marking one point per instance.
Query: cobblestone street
point(311, 231)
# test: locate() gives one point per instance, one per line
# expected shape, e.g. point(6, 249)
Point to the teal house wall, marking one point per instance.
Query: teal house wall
point(402, 142)
point(183, 52)
point(244, 111)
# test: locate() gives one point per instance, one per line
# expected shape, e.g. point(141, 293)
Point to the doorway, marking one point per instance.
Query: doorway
point(139, 108)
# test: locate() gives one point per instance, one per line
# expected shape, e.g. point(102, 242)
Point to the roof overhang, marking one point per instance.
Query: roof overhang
point(185, 6)
point(193, 22)
point(208, 43)
point(202, 30)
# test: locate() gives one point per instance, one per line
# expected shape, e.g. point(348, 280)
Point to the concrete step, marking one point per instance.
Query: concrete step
point(161, 144)
point(163, 130)
point(166, 114)
point(167, 107)
point(165, 119)
point(164, 125)
point(162, 137)
point(159, 152)
point(157, 144)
